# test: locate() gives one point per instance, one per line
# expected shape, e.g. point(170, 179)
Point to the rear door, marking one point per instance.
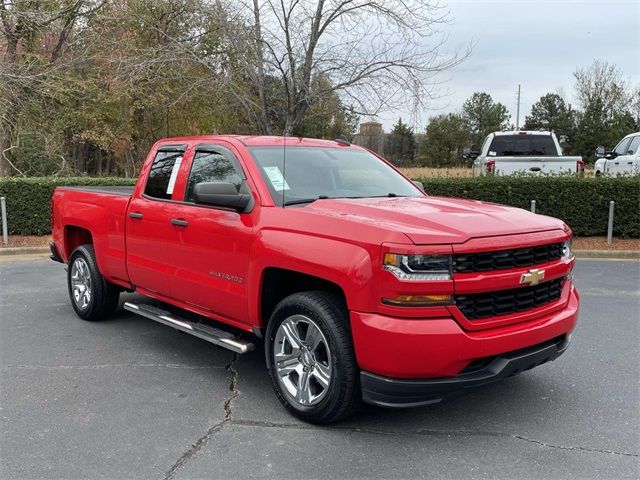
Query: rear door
point(210, 247)
point(148, 227)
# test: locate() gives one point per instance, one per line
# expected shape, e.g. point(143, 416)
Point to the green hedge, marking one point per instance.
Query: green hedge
point(582, 202)
point(29, 199)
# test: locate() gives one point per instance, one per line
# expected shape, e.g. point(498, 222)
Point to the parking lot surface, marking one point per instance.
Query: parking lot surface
point(129, 398)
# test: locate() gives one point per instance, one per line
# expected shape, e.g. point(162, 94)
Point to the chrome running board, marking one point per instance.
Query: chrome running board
point(201, 330)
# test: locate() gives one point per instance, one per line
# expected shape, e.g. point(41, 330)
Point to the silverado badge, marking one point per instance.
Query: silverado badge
point(532, 277)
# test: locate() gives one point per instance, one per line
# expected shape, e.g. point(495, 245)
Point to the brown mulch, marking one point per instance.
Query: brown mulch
point(26, 241)
point(600, 243)
point(579, 243)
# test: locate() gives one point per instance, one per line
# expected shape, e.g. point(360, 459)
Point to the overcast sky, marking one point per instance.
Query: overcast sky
point(538, 44)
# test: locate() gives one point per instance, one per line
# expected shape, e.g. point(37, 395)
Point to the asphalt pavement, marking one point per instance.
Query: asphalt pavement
point(129, 398)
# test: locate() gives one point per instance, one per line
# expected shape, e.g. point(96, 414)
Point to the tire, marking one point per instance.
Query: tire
point(92, 297)
point(319, 382)
point(598, 173)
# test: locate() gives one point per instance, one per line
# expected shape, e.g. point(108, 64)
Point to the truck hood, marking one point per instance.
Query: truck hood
point(435, 220)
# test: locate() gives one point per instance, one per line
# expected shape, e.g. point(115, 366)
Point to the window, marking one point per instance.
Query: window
point(522, 144)
point(211, 167)
point(633, 146)
point(163, 173)
point(621, 148)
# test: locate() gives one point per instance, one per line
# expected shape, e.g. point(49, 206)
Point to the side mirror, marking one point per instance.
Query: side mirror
point(469, 154)
point(600, 152)
point(221, 194)
point(419, 184)
point(610, 155)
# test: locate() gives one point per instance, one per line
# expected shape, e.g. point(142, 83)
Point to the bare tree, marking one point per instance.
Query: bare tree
point(602, 82)
point(378, 54)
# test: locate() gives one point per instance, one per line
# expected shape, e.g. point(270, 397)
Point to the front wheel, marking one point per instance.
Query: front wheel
point(92, 297)
point(310, 357)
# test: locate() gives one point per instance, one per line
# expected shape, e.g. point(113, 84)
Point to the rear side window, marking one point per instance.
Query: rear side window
point(521, 145)
point(163, 173)
point(211, 167)
point(633, 146)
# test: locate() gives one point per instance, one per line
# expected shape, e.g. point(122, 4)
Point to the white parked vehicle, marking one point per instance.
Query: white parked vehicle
point(623, 160)
point(522, 152)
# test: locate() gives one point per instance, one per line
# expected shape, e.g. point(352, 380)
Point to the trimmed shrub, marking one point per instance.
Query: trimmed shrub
point(29, 199)
point(581, 202)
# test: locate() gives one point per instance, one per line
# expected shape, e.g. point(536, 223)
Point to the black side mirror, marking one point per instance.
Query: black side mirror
point(222, 194)
point(469, 154)
point(419, 184)
point(600, 152)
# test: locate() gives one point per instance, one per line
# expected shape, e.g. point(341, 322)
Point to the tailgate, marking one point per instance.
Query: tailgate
point(535, 165)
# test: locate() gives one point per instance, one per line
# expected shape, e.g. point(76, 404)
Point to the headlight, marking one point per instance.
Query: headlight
point(418, 267)
point(567, 253)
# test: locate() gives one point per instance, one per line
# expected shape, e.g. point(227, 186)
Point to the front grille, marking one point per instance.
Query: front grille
point(504, 302)
point(503, 259)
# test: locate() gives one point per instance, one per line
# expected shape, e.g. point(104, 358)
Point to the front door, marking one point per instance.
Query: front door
point(210, 247)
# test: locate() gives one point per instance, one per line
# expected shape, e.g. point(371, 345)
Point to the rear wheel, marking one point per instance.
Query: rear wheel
point(310, 357)
point(92, 297)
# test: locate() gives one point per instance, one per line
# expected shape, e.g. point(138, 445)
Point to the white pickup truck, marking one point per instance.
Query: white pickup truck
point(622, 160)
point(522, 152)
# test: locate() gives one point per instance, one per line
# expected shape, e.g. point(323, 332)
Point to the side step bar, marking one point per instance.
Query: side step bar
point(200, 330)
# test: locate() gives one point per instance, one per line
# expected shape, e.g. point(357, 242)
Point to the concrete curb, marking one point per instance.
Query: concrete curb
point(611, 254)
point(24, 251)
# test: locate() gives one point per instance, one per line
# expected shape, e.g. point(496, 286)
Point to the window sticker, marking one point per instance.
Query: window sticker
point(492, 154)
point(276, 178)
point(174, 175)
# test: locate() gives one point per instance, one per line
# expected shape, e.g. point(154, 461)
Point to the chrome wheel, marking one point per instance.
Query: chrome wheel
point(302, 360)
point(81, 283)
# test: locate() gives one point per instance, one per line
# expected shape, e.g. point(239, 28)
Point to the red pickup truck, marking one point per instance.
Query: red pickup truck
point(361, 286)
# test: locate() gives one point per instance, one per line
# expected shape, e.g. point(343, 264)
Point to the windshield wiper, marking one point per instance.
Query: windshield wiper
point(302, 201)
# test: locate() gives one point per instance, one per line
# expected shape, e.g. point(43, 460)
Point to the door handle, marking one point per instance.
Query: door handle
point(135, 215)
point(179, 222)
point(629, 163)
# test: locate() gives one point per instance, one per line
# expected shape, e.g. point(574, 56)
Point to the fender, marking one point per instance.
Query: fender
point(106, 226)
point(347, 265)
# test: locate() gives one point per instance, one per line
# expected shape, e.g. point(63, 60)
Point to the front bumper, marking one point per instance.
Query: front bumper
point(391, 392)
point(420, 357)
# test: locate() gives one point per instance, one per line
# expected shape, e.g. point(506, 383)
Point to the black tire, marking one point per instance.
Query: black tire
point(598, 173)
point(103, 296)
point(328, 313)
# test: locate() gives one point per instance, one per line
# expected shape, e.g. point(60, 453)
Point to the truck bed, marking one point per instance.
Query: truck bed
point(111, 190)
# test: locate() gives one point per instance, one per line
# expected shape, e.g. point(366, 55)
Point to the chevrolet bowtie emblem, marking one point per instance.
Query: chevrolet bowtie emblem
point(533, 277)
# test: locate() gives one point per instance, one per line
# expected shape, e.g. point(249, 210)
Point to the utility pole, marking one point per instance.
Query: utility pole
point(518, 110)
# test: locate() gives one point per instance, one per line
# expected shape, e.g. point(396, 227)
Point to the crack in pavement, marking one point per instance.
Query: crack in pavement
point(203, 440)
point(425, 432)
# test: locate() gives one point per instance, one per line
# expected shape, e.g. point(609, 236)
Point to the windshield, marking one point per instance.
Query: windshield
point(320, 172)
point(518, 145)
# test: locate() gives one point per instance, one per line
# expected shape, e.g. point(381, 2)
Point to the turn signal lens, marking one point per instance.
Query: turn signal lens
point(418, 300)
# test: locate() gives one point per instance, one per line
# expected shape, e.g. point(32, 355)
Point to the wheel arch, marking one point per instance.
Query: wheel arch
point(278, 283)
point(74, 236)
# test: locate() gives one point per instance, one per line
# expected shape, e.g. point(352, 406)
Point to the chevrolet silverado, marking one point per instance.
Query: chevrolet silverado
point(360, 285)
